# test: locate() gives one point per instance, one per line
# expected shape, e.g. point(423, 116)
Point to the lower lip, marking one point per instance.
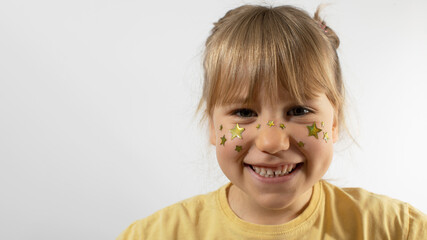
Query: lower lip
point(270, 180)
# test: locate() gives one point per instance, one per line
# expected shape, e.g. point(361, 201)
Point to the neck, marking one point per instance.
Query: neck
point(252, 212)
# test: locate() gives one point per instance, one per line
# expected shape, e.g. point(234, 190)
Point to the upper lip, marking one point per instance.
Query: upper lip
point(269, 165)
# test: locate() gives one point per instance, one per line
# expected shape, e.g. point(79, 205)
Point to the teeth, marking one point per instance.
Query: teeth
point(285, 169)
point(262, 172)
point(268, 172)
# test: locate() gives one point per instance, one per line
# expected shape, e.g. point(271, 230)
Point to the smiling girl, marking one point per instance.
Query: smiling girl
point(274, 96)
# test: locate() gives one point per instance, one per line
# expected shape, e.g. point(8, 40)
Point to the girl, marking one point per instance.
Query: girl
point(273, 96)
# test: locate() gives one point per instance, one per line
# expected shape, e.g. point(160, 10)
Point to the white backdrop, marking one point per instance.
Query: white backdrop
point(97, 102)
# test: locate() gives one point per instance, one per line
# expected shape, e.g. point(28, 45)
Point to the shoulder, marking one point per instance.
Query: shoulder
point(188, 209)
point(174, 219)
point(379, 214)
point(360, 198)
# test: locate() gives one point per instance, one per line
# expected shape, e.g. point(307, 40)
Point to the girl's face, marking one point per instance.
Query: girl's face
point(280, 155)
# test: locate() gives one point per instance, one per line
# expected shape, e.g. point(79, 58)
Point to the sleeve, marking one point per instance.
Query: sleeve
point(133, 232)
point(417, 224)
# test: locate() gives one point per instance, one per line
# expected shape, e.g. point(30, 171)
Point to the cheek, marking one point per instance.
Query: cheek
point(226, 152)
point(320, 148)
point(228, 149)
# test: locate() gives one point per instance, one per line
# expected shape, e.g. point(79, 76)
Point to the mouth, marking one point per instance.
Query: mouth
point(277, 172)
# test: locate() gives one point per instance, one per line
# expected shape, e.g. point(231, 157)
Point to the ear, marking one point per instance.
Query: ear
point(212, 134)
point(335, 130)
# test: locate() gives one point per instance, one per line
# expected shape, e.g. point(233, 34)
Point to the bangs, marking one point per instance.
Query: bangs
point(267, 50)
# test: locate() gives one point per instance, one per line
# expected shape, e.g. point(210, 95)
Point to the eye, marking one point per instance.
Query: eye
point(298, 111)
point(244, 113)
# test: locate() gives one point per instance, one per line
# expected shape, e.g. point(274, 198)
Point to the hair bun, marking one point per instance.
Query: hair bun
point(329, 32)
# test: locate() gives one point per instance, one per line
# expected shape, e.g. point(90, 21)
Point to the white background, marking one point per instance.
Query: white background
point(98, 98)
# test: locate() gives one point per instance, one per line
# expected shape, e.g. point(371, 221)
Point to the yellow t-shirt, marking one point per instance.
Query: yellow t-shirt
point(333, 213)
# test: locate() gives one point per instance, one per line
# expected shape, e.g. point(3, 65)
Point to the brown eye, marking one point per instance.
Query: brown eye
point(245, 113)
point(298, 111)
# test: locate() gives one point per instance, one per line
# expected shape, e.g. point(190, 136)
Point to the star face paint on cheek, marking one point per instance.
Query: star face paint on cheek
point(258, 126)
point(325, 137)
point(220, 127)
point(300, 144)
point(313, 130)
point(238, 148)
point(282, 126)
point(223, 139)
point(236, 132)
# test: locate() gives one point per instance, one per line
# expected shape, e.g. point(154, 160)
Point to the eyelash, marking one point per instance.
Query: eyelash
point(244, 112)
point(239, 112)
point(306, 111)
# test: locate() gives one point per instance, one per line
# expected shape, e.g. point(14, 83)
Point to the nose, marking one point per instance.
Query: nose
point(272, 139)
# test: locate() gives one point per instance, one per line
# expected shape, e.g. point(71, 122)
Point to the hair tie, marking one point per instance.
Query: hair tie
point(323, 26)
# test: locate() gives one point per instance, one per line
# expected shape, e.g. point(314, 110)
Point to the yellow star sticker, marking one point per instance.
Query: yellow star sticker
point(236, 132)
point(258, 126)
point(220, 127)
point(313, 130)
point(270, 123)
point(238, 148)
point(282, 126)
point(301, 144)
point(323, 124)
point(325, 136)
point(223, 139)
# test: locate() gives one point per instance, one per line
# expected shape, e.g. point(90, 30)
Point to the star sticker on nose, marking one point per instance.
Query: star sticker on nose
point(270, 123)
point(238, 148)
point(236, 132)
point(313, 130)
point(223, 139)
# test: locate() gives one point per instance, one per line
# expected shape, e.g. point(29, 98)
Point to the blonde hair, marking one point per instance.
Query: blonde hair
point(257, 47)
